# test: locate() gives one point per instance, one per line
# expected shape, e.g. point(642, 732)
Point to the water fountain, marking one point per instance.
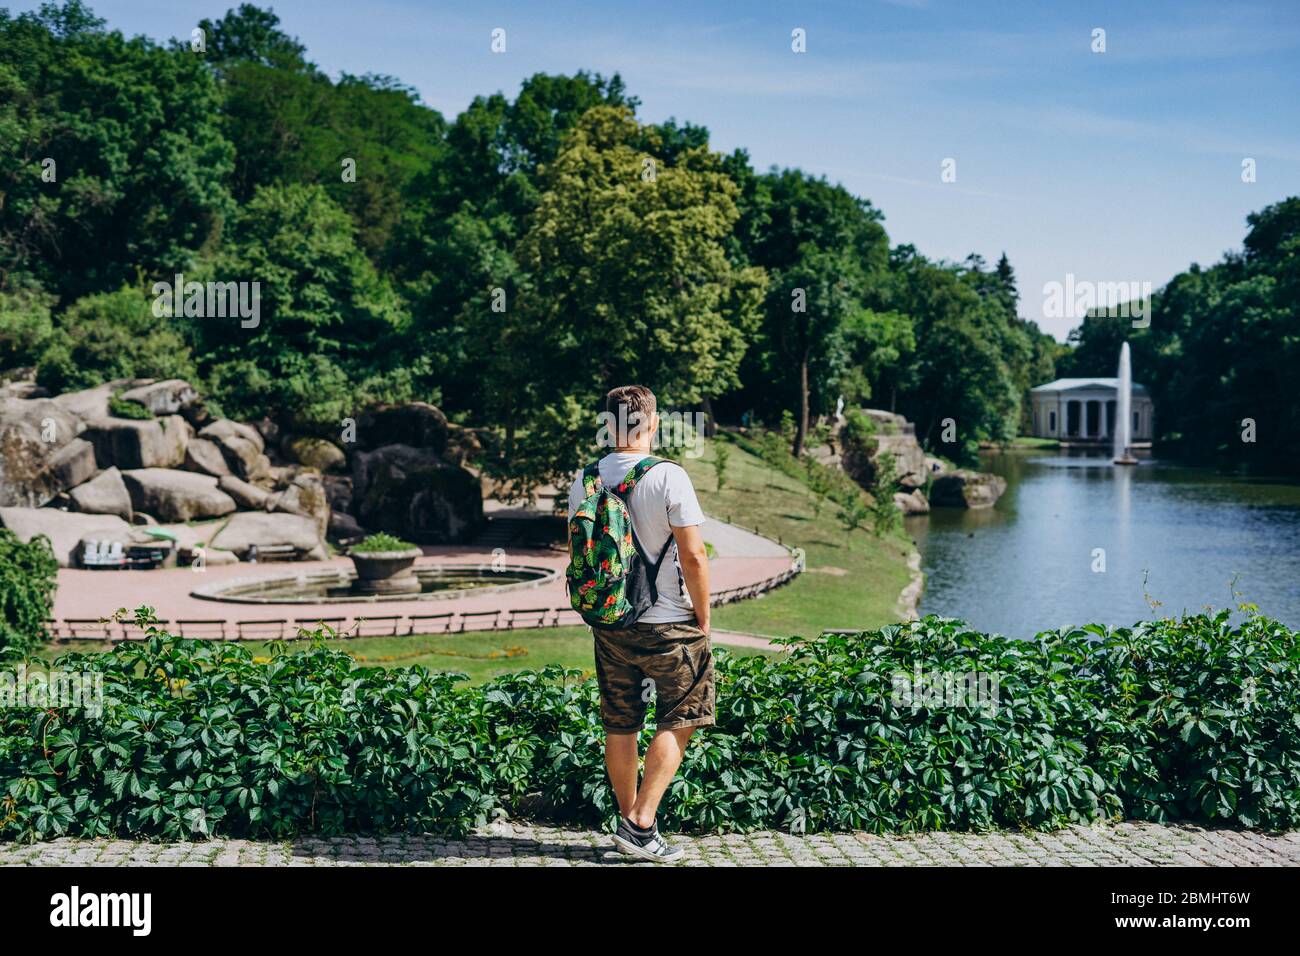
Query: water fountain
point(1123, 408)
point(337, 585)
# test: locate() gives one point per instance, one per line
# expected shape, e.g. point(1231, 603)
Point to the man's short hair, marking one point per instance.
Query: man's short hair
point(637, 399)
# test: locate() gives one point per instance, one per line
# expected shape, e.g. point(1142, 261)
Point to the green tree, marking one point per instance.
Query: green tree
point(112, 335)
point(628, 274)
point(140, 164)
point(823, 248)
point(325, 338)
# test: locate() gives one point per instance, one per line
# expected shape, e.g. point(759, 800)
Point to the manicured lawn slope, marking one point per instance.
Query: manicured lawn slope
point(851, 581)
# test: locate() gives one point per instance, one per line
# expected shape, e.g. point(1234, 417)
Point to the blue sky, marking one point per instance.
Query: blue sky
point(1118, 166)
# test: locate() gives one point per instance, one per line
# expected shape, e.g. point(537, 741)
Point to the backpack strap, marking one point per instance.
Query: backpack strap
point(638, 472)
point(624, 488)
point(591, 482)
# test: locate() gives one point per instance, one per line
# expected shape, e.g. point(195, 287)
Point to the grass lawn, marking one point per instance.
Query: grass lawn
point(481, 655)
point(1027, 441)
point(851, 580)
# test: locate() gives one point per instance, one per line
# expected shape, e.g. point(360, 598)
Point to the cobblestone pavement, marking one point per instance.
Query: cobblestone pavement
point(1128, 844)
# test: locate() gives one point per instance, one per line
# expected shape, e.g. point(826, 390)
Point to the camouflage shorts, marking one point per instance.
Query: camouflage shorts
point(674, 662)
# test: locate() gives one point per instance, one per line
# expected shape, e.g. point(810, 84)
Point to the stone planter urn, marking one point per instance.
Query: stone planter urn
point(386, 572)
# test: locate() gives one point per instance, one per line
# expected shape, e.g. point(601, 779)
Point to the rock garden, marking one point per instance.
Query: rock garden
point(141, 473)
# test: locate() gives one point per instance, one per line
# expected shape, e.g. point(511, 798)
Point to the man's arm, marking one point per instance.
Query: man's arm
point(695, 570)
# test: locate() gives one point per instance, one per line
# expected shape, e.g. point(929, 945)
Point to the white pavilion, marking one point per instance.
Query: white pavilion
point(1081, 411)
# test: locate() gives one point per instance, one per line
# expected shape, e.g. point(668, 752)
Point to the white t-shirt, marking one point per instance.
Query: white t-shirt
point(663, 499)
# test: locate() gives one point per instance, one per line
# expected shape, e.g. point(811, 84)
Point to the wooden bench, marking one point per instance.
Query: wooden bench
point(475, 618)
point(431, 623)
point(202, 630)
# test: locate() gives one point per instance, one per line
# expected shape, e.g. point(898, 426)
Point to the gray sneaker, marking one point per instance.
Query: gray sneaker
point(647, 844)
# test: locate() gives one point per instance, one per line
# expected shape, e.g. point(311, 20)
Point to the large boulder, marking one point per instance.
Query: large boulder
point(912, 502)
point(168, 397)
point(464, 446)
point(129, 443)
point(315, 453)
point(893, 435)
point(964, 488)
point(91, 403)
point(73, 464)
point(32, 432)
point(176, 495)
point(65, 529)
point(338, 492)
point(22, 384)
point(249, 528)
point(226, 428)
point(206, 457)
point(413, 493)
point(105, 494)
point(305, 496)
point(344, 528)
point(416, 424)
point(246, 495)
point(242, 446)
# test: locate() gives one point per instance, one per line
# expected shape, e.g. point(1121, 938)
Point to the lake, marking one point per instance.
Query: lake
point(1027, 564)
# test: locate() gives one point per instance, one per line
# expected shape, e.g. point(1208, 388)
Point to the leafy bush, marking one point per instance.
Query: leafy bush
point(1205, 719)
point(27, 577)
point(123, 408)
point(112, 335)
point(381, 541)
point(1189, 719)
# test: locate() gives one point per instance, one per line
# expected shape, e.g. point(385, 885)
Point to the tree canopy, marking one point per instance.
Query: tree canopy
point(515, 261)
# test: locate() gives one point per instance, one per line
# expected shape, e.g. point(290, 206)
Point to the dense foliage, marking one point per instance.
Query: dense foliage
point(403, 256)
point(27, 576)
point(1191, 719)
point(513, 263)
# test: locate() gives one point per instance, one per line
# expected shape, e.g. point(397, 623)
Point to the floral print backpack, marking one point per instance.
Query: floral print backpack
point(611, 582)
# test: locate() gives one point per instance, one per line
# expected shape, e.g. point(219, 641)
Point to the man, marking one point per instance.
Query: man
point(667, 650)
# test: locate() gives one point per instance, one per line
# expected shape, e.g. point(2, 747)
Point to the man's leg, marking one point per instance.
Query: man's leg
point(621, 762)
point(662, 759)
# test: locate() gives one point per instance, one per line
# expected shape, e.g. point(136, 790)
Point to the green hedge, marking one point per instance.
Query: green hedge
point(28, 572)
point(1194, 719)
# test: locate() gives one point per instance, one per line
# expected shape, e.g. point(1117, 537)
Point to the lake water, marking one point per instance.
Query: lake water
point(1027, 564)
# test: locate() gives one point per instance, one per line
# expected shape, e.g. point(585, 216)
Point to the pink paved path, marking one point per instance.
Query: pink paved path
point(97, 594)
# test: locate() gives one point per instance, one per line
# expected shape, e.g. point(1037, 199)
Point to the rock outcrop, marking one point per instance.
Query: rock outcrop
point(206, 458)
point(305, 496)
point(89, 472)
point(964, 488)
point(316, 453)
point(65, 529)
point(105, 494)
point(416, 424)
point(171, 495)
point(241, 445)
point(893, 435)
point(414, 493)
point(147, 443)
point(73, 464)
point(247, 496)
point(912, 502)
point(251, 528)
point(32, 432)
point(168, 397)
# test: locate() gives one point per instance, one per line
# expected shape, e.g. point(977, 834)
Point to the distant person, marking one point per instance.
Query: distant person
point(638, 573)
